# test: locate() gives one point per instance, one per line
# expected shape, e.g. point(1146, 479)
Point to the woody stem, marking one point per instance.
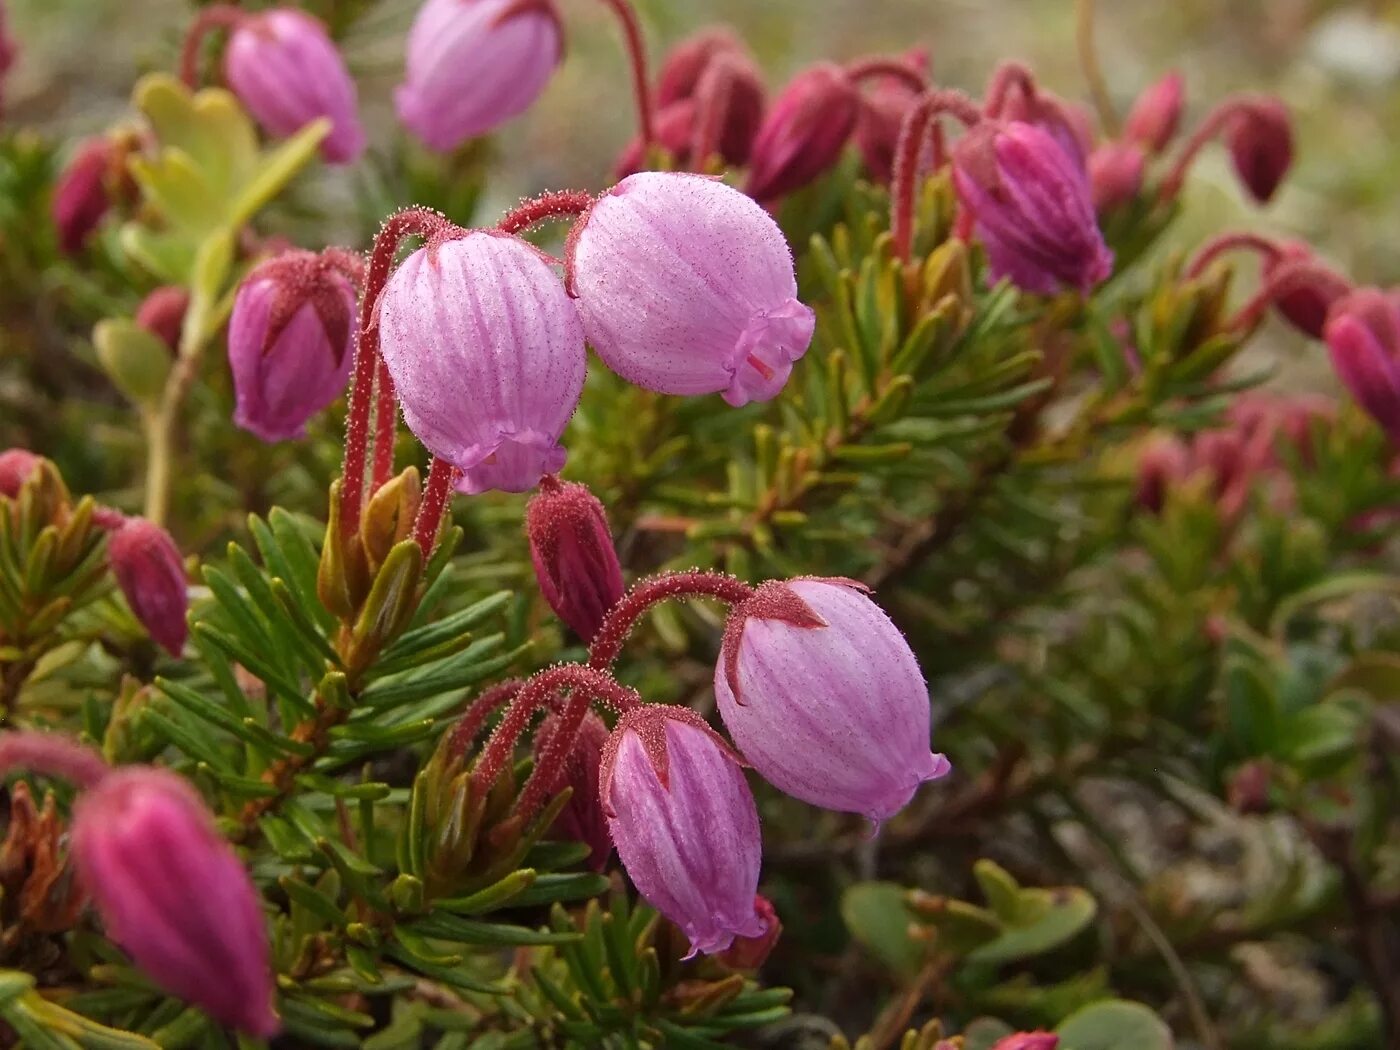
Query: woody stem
point(623, 616)
point(216, 16)
point(908, 153)
point(637, 56)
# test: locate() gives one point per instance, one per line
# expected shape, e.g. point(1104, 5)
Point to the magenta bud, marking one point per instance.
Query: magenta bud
point(686, 63)
point(9, 48)
point(1363, 338)
point(685, 823)
point(1031, 205)
point(582, 818)
point(475, 64)
point(686, 286)
point(1115, 175)
point(1260, 139)
point(1156, 115)
point(575, 561)
point(1028, 1041)
point(673, 130)
point(722, 118)
point(289, 344)
point(162, 313)
point(151, 574)
point(749, 953)
point(487, 355)
point(16, 465)
point(824, 698)
point(1164, 463)
point(80, 196)
point(1304, 289)
point(286, 70)
point(882, 112)
point(175, 896)
point(1068, 124)
point(804, 132)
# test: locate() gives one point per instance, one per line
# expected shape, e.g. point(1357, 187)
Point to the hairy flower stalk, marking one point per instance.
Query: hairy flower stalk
point(637, 59)
point(909, 154)
point(623, 616)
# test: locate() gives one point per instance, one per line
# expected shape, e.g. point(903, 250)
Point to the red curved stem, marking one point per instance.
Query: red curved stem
point(475, 716)
point(216, 16)
point(433, 506)
point(1228, 242)
point(557, 204)
point(623, 616)
point(386, 425)
point(1286, 279)
point(52, 754)
point(870, 68)
point(551, 758)
point(1210, 126)
point(1004, 78)
point(637, 56)
point(909, 151)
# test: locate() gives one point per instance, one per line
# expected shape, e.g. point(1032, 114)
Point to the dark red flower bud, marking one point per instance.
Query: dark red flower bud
point(1303, 288)
point(151, 574)
point(162, 313)
point(1260, 140)
point(1115, 175)
point(749, 953)
point(686, 63)
point(575, 561)
point(81, 197)
point(1156, 115)
point(729, 104)
point(16, 464)
point(882, 113)
point(582, 819)
point(1248, 789)
point(804, 132)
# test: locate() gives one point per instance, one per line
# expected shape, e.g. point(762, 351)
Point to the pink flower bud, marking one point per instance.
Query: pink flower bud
point(1032, 208)
point(9, 49)
point(487, 354)
point(582, 818)
point(823, 696)
point(1068, 124)
point(882, 113)
point(1305, 288)
point(1363, 338)
point(1115, 175)
point(749, 953)
point(162, 313)
point(174, 895)
point(686, 63)
point(686, 286)
point(1260, 139)
point(575, 560)
point(804, 132)
point(1156, 115)
point(16, 464)
point(151, 575)
point(80, 197)
point(1028, 1041)
point(685, 824)
point(475, 64)
point(1164, 463)
point(289, 344)
point(285, 68)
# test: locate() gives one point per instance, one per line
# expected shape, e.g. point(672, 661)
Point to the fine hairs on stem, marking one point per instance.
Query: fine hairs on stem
point(909, 152)
point(637, 56)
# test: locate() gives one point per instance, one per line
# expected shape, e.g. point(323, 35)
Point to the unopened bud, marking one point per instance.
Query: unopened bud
point(162, 313)
point(151, 574)
point(572, 549)
point(1153, 121)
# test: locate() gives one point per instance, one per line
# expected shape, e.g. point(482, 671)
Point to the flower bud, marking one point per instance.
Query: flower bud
point(162, 313)
point(575, 561)
point(1028, 1041)
point(174, 895)
point(487, 355)
point(1031, 206)
point(1164, 463)
point(475, 64)
point(882, 113)
point(1363, 338)
point(1115, 175)
point(1066, 123)
point(673, 130)
point(1260, 139)
point(749, 953)
point(284, 67)
point(1156, 115)
point(1304, 288)
point(824, 698)
point(289, 341)
point(804, 132)
point(151, 574)
point(685, 64)
point(9, 49)
point(686, 286)
point(16, 464)
point(582, 818)
point(80, 196)
point(685, 824)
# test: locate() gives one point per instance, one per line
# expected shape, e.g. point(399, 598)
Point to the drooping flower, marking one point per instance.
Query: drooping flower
point(882, 112)
point(286, 70)
point(686, 286)
point(487, 354)
point(572, 550)
point(1156, 115)
point(685, 824)
point(289, 344)
point(582, 819)
point(1363, 338)
point(151, 574)
point(1260, 139)
point(804, 132)
point(475, 64)
point(1304, 288)
point(174, 895)
point(823, 696)
point(685, 64)
point(749, 953)
point(80, 196)
point(1032, 207)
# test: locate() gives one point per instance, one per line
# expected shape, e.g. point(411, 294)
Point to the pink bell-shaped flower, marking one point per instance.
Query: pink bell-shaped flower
point(475, 64)
point(1032, 207)
point(685, 824)
point(151, 575)
point(487, 355)
point(882, 113)
point(686, 286)
point(174, 895)
point(824, 698)
point(289, 344)
point(1363, 338)
point(285, 68)
point(804, 132)
point(572, 550)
